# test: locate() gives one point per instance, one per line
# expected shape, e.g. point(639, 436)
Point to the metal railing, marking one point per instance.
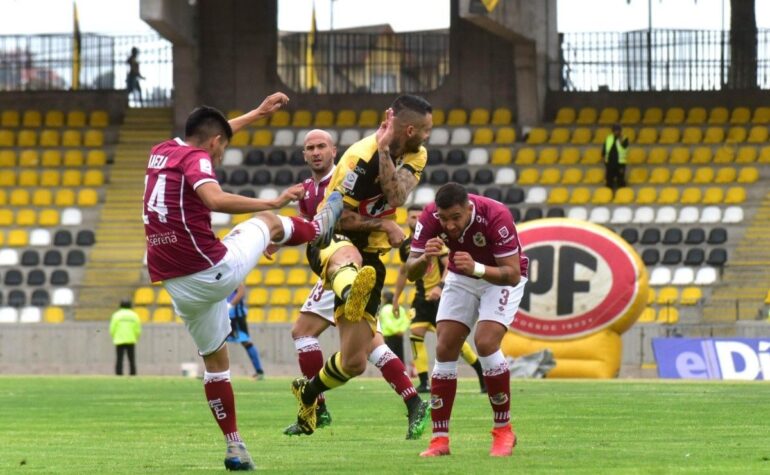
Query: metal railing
point(45, 62)
point(659, 60)
point(379, 63)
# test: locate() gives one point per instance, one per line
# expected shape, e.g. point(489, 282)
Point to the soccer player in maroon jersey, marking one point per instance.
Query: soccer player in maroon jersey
point(487, 274)
point(200, 271)
point(317, 314)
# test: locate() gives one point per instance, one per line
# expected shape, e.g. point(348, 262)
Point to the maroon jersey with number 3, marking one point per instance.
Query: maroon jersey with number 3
point(177, 225)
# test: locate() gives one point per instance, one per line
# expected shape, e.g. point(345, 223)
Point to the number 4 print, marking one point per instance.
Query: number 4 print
point(157, 201)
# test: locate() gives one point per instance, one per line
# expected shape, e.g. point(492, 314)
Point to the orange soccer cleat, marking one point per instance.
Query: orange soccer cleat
point(438, 446)
point(503, 441)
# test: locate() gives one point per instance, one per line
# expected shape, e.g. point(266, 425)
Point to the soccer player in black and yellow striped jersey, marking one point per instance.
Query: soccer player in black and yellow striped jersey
point(375, 176)
point(425, 305)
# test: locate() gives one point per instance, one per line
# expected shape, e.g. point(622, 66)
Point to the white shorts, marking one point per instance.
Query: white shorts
point(200, 299)
point(321, 302)
point(465, 299)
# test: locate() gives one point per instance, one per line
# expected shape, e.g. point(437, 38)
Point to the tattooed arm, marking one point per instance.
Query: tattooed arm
point(352, 221)
point(396, 184)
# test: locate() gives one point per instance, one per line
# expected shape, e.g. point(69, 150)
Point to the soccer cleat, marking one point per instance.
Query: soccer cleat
point(423, 388)
point(418, 419)
point(306, 419)
point(438, 446)
point(503, 441)
point(359, 294)
point(237, 457)
point(323, 419)
point(326, 218)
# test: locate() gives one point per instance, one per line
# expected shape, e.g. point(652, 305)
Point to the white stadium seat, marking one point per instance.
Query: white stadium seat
point(578, 212)
point(733, 214)
point(63, 296)
point(665, 215)
point(424, 195)
point(683, 276)
point(233, 157)
point(299, 139)
point(478, 156)
point(369, 132)
point(710, 215)
point(220, 219)
point(284, 138)
point(621, 215)
point(706, 276)
point(439, 136)
point(349, 137)
point(688, 215)
point(71, 217)
point(660, 276)
point(40, 237)
point(643, 215)
point(600, 215)
point(9, 257)
point(460, 136)
point(8, 315)
point(30, 315)
point(536, 195)
point(268, 194)
point(505, 176)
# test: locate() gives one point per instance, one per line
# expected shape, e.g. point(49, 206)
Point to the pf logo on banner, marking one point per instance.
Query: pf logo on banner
point(583, 278)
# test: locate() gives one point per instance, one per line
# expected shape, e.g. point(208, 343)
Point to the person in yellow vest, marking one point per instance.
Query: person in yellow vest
point(614, 153)
point(394, 324)
point(125, 329)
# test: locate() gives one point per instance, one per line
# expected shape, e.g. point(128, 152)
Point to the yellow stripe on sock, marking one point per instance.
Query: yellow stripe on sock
point(331, 374)
point(343, 278)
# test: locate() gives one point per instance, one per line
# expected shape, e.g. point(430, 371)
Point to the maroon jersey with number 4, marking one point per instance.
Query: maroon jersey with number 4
point(177, 225)
point(491, 234)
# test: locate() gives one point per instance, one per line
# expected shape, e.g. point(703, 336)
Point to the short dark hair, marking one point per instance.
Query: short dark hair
point(125, 303)
point(205, 122)
point(616, 127)
point(411, 102)
point(414, 208)
point(451, 194)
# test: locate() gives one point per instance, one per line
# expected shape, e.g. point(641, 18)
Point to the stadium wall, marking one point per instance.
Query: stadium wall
point(114, 102)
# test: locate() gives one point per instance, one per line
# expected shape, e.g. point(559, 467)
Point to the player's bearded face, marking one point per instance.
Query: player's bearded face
point(412, 218)
point(216, 149)
point(412, 136)
point(455, 219)
point(319, 154)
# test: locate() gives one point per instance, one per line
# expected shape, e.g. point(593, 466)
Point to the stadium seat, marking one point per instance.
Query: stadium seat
point(559, 136)
point(76, 258)
point(669, 136)
point(717, 257)
point(548, 156)
point(667, 315)
point(457, 117)
point(53, 315)
point(706, 276)
point(688, 215)
point(735, 195)
point(599, 215)
point(99, 118)
point(536, 195)
point(572, 176)
point(514, 195)
point(733, 215)
point(696, 116)
point(717, 236)
point(35, 277)
point(501, 116)
point(63, 296)
point(538, 136)
point(565, 116)
point(692, 135)
point(93, 138)
point(758, 135)
point(665, 215)
point(324, 118)
point(710, 215)
point(691, 296)
point(346, 118)
point(683, 276)
point(460, 136)
point(660, 276)
point(478, 156)
point(718, 116)
point(524, 156)
point(621, 215)
point(580, 196)
point(601, 195)
point(461, 176)
point(672, 257)
point(349, 137)
point(735, 135)
point(550, 176)
point(39, 237)
point(608, 116)
point(505, 136)
point(277, 315)
point(558, 196)
point(233, 157)
point(438, 137)
point(714, 135)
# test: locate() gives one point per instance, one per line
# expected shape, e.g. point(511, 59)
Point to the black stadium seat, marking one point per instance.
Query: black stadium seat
point(695, 236)
point(631, 235)
point(76, 258)
point(52, 257)
point(255, 157)
point(221, 176)
point(435, 157)
point(247, 192)
point(717, 257)
point(515, 213)
point(671, 257)
point(461, 176)
point(484, 177)
point(36, 277)
point(276, 158)
point(283, 177)
point(494, 193)
point(297, 158)
point(555, 213)
point(30, 258)
point(62, 238)
point(514, 196)
point(17, 298)
point(438, 177)
point(60, 277)
point(533, 213)
point(304, 174)
point(694, 257)
point(456, 157)
point(472, 190)
point(13, 277)
point(85, 237)
point(238, 177)
point(717, 236)
point(650, 236)
point(650, 256)
point(40, 298)
point(672, 236)
point(261, 177)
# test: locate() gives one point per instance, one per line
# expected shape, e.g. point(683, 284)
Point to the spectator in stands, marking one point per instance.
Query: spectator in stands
point(614, 153)
point(394, 325)
point(125, 329)
point(133, 76)
point(239, 332)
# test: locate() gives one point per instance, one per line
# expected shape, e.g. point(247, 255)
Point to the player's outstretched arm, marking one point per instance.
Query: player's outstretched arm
point(507, 271)
point(272, 103)
point(352, 221)
point(219, 200)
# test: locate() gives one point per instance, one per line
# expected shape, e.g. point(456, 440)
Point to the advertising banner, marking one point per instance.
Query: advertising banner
point(713, 358)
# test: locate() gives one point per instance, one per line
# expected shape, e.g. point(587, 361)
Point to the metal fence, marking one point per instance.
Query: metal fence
point(46, 62)
point(659, 60)
point(379, 63)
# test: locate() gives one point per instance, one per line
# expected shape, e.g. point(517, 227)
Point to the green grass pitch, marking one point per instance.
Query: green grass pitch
point(162, 425)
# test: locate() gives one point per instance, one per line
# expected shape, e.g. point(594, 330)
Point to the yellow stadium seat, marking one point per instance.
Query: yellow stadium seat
point(53, 315)
point(28, 178)
point(558, 196)
point(501, 116)
point(26, 138)
point(667, 296)
point(64, 197)
point(289, 256)
point(300, 295)
point(623, 196)
point(692, 135)
point(17, 238)
point(669, 135)
point(51, 159)
point(660, 176)
point(651, 299)
point(550, 176)
point(648, 315)
point(581, 136)
point(691, 195)
point(548, 156)
point(681, 176)
point(280, 297)
point(674, 116)
point(280, 118)
point(54, 118)
point(647, 136)
point(565, 116)
point(296, 276)
point(714, 135)
point(559, 136)
point(601, 196)
point(657, 156)
point(528, 176)
point(93, 178)
point(9, 118)
point(679, 156)
point(7, 177)
point(757, 134)
point(26, 217)
point(29, 158)
point(6, 218)
point(636, 156)
point(256, 315)
point(87, 197)
point(668, 315)
point(7, 138)
point(600, 135)
point(524, 156)
point(323, 118)
point(48, 217)
point(646, 195)
point(580, 195)
point(736, 135)
point(143, 313)
point(144, 296)
point(538, 135)
point(748, 175)
point(746, 155)
point(483, 136)
point(3, 197)
point(32, 118)
point(371, 118)
point(572, 176)
point(591, 156)
point(76, 118)
point(257, 297)
point(457, 117)
point(479, 116)
point(163, 315)
point(586, 116)
point(594, 176)
point(275, 277)
point(73, 158)
point(505, 136)
point(630, 116)
point(254, 277)
point(668, 195)
point(71, 178)
point(703, 175)
point(735, 195)
point(701, 155)
point(652, 116)
point(638, 176)
point(726, 175)
point(608, 116)
point(569, 156)
point(740, 116)
point(233, 113)
point(277, 315)
point(761, 115)
point(262, 138)
point(302, 118)
point(19, 197)
point(718, 116)
point(690, 296)
point(346, 118)
point(99, 118)
point(713, 196)
point(240, 139)
point(96, 158)
point(93, 138)
point(696, 116)
point(764, 155)
point(50, 178)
